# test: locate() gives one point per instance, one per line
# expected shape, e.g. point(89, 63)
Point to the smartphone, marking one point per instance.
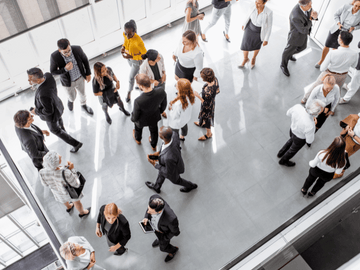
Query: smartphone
point(153, 157)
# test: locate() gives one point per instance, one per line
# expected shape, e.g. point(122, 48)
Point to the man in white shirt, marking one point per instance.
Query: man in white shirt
point(302, 130)
point(354, 85)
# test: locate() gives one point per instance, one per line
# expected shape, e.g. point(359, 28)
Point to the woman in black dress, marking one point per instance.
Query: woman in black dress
point(207, 110)
point(104, 88)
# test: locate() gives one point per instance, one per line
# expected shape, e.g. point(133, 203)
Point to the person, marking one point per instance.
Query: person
point(147, 109)
point(52, 176)
point(72, 64)
point(346, 18)
point(193, 17)
point(31, 137)
point(165, 224)
point(337, 63)
point(325, 164)
point(207, 110)
point(112, 223)
point(154, 67)
point(105, 90)
point(48, 105)
point(132, 49)
point(220, 8)
point(169, 162)
point(180, 108)
point(257, 28)
point(79, 254)
point(302, 130)
point(329, 93)
point(300, 26)
point(188, 57)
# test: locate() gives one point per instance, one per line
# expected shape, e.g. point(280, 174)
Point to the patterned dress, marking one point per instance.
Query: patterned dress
point(207, 110)
point(194, 25)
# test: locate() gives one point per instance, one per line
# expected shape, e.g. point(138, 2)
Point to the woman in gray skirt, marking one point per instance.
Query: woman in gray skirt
point(192, 17)
point(257, 28)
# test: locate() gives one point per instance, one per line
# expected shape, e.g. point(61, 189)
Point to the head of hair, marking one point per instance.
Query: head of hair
point(150, 54)
point(329, 79)
point(315, 107)
point(112, 209)
point(143, 80)
point(157, 204)
point(264, 1)
point(190, 35)
point(346, 37)
point(353, 2)
point(304, 3)
point(166, 132)
point(63, 43)
point(67, 251)
point(207, 74)
point(21, 118)
point(131, 25)
point(185, 93)
point(51, 160)
point(36, 73)
point(97, 74)
point(335, 153)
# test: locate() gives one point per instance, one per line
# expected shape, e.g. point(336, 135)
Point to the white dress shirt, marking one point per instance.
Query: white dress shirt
point(302, 123)
point(164, 146)
point(350, 19)
point(340, 60)
point(317, 162)
point(257, 19)
point(332, 97)
point(179, 117)
point(191, 59)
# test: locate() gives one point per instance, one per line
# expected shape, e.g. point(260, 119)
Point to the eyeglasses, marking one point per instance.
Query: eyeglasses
point(67, 52)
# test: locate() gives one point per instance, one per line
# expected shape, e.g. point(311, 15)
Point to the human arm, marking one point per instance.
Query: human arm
point(96, 88)
point(31, 148)
point(300, 26)
point(173, 229)
point(352, 134)
point(169, 166)
point(337, 16)
point(92, 260)
point(46, 111)
point(45, 132)
point(336, 100)
point(196, 94)
point(199, 62)
point(268, 32)
point(310, 136)
point(326, 62)
point(117, 83)
point(315, 161)
point(71, 176)
point(313, 94)
point(54, 67)
point(188, 16)
point(163, 103)
point(85, 61)
point(135, 115)
point(125, 229)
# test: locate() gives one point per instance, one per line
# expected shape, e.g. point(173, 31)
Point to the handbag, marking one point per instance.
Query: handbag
point(73, 191)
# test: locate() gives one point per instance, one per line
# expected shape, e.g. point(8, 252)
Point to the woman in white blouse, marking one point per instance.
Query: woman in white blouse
point(188, 57)
point(154, 67)
point(329, 93)
point(323, 167)
point(257, 28)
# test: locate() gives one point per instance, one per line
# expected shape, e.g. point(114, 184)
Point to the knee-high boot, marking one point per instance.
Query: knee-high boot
point(121, 107)
point(107, 116)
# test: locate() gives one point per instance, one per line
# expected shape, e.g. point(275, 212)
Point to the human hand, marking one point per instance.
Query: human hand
point(351, 29)
point(195, 78)
point(45, 132)
point(351, 133)
point(90, 265)
point(156, 83)
point(122, 50)
point(174, 58)
point(242, 27)
point(33, 111)
point(163, 79)
point(326, 110)
point(340, 25)
point(145, 220)
point(88, 78)
point(265, 43)
point(315, 120)
point(153, 162)
point(314, 15)
point(170, 107)
point(98, 232)
point(330, 113)
point(201, 16)
point(92, 257)
point(70, 165)
point(69, 66)
point(114, 248)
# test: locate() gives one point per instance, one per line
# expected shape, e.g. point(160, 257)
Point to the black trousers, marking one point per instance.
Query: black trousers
point(291, 147)
point(321, 176)
point(164, 244)
point(181, 182)
point(154, 134)
point(322, 118)
point(58, 129)
point(184, 130)
point(290, 50)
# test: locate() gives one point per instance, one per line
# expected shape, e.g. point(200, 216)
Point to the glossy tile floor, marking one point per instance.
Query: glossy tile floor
point(243, 193)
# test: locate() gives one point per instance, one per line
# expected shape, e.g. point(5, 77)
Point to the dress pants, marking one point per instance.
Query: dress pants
point(135, 67)
point(290, 50)
point(164, 244)
point(322, 118)
point(184, 130)
point(180, 181)
point(321, 176)
point(291, 147)
point(216, 14)
point(154, 134)
point(58, 129)
point(353, 86)
point(78, 85)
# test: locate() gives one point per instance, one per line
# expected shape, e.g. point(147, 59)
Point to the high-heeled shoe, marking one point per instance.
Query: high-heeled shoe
point(311, 194)
point(252, 65)
point(303, 192)
point(203, 39)
point(244, 63)
point(227, 39)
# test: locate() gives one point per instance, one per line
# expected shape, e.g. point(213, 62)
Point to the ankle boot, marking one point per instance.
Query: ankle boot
point(107, 116)
point(121, 107)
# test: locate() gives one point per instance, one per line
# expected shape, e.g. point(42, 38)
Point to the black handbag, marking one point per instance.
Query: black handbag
point(73, 191)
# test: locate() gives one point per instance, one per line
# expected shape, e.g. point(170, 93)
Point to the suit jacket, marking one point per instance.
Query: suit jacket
point(168, 223)
point(266, 26)
point(32, 143)
point(171, 164)
point(79, 263)
point(148, 107)
point(119, 231)
point(47, 103)
point(340, 16)
point(300, 26)
point(57, 65)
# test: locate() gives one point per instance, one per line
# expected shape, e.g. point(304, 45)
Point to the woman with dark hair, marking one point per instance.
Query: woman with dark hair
point(105, 90)
point(257, 27)
point(132, 50)
point(207, 110)
point(323, 167)
point(154, 67)
point(192, 17)
point(188, 57)
point(114, 225)
point(347, 18)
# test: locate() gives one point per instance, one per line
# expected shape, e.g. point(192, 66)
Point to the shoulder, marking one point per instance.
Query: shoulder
point(268, 10)
point(102, 208)
point(189, 4)
point(55, 54)
point(76, 48)
point(122, 219)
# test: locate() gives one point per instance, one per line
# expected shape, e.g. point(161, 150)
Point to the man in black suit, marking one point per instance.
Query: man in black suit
point(48, 105)
point(31, 137)
point(72, 64)
point(300, 27)
point(165, 223)
point(148, 108)
point(170, 163)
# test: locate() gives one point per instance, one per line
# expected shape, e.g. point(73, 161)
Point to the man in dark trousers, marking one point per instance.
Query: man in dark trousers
point(31, 137)
point(165, 224)
point(148, 108)
point(169, 162)
point(72, 64)
point(48, 105)
point(300, 27)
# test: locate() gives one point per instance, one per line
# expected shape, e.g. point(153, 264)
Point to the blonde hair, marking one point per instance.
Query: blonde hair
point(328, 79)
point(112, 209)
point(67, 251)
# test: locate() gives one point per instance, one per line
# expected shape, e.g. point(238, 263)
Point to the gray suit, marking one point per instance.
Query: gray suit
point(300, 28)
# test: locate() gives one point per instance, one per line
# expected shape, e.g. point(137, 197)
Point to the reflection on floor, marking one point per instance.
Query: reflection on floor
point(243, 193)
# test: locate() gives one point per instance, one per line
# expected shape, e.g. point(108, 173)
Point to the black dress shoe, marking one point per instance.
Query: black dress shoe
point(87, 109)
point(292, 58)
point(285, 70)
point(70, 105)
point(151, 186)
point(186, 190)
point(84, 215)
point(170, 256)
point(120, 251)
point(287, 163)
point(155, 243)
point(76, 148)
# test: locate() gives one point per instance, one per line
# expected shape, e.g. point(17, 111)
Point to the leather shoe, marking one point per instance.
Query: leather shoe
point(70, 105)
point(155, 243)
point(120, 251)
point(76, 148)
point(88, 109)
point(292, 58)
point(84, 215)
point(186, 190)
point(285, 70)
point(170, 256)
point(135, 138)
point(287, 163)
point(151, 186)
point(153, 148)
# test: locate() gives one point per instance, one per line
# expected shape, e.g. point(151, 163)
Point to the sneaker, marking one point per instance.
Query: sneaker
point(317, 65)
point(345, 86)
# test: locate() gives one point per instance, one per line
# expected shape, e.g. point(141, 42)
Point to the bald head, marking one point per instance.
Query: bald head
point(166, 134)
point(143, 80)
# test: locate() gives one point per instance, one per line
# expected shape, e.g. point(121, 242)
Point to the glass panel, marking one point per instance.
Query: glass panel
point(36, 232)
point(6, 253)
point(21, 241)
point(7, 227)
point(24, 215)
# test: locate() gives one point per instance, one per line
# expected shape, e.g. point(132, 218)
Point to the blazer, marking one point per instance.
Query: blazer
point(266, 25)
point(79, 263)
point(168, 223)
point(148, 107)
point(341, 14)
point(145, 68)
point(119, 231)
point(171, 164)
point(57, 65)
point(300, 26)
point(47, 103)
point(32, 143)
